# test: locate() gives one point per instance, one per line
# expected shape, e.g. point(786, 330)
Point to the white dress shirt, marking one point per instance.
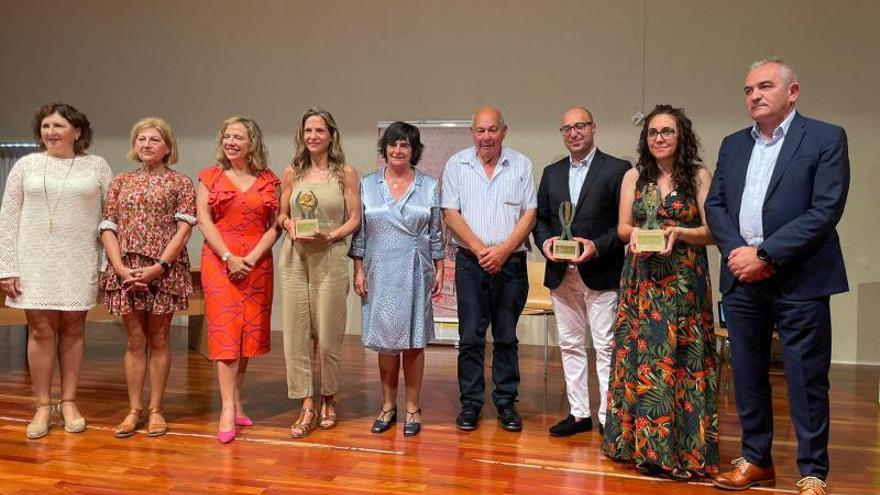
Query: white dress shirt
point(761, 165)
point(490, 206)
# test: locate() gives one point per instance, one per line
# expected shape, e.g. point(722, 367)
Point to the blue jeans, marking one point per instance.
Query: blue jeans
point(485, 300)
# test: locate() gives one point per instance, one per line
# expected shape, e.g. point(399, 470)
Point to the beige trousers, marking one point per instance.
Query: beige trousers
point(314, 289)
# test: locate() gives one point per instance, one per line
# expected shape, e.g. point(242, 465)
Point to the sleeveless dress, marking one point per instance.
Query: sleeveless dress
point(238, 313)
point(49, 230)
point(662, 392)
point(314, 289)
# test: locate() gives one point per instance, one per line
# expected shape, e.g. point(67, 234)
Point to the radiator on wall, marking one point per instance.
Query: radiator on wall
point(10, 152)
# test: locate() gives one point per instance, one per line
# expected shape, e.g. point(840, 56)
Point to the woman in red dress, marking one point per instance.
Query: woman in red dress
point(236, 205)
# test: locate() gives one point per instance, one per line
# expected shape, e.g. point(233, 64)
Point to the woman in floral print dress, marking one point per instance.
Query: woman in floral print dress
point(662, 411)
point(148, 217)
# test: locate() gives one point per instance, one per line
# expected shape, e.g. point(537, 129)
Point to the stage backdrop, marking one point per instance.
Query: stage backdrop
point(442, 139)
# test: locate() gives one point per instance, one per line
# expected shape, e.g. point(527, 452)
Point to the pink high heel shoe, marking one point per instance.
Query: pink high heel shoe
point(243, 420)
point(226, 436)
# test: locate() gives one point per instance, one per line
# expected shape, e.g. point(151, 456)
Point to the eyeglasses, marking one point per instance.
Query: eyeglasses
point(579, 126)
point(666, 132)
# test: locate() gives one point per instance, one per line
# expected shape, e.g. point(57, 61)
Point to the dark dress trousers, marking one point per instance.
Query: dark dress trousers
point(803, 204)
point(595, 218)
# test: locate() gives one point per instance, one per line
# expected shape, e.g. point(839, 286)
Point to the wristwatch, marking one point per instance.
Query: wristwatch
point(226, 256)
point(164, 264)
point(763, 256)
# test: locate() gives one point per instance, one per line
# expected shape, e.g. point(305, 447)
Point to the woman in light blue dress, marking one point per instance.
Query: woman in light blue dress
point(398, 260)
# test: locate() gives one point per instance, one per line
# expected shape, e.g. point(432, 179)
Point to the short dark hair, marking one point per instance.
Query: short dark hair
point(402, 131)
point(76, 118)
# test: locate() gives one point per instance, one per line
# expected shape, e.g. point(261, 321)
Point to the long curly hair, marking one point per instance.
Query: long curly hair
point(302, 160)
point(687, 156)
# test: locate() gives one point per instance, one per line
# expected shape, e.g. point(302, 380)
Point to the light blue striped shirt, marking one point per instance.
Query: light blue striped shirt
point(577, 174)
point(491, 207)
point(761, 165)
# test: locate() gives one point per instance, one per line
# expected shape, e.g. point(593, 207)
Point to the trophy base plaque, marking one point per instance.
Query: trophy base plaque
point(305, 227)
point(566, 250)
point(651, 241)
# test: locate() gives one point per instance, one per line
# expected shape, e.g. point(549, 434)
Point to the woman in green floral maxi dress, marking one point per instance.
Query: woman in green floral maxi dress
point(662, 412)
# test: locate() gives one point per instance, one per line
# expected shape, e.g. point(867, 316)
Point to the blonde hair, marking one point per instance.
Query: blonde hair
point(302, 160)
point(165, 131)
point(258, 155)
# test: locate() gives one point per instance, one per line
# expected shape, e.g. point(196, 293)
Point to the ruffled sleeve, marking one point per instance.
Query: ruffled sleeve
point(220, 193)
point(268, 189)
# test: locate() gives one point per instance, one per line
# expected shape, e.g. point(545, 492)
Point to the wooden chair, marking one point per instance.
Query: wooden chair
point(723, 363)
point(538, 303)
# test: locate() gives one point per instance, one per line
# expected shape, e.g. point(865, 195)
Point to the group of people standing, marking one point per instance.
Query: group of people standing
point(778, 191)
point(772, 207)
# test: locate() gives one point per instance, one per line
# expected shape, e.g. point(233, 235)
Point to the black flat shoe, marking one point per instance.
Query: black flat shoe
point(410, 427)
point(508, 417)
point(649, 469)
point(468, 419)
point(570, 426)
point(380, 425)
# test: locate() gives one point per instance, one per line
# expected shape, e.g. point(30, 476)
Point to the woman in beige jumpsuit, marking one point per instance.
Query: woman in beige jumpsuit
point(314, 269)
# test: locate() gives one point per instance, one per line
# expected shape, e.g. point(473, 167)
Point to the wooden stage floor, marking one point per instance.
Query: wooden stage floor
point(349, 459)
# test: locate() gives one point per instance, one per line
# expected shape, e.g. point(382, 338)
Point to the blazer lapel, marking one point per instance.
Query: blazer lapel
point(590, 179)
point(789, 146)
point(738, 174)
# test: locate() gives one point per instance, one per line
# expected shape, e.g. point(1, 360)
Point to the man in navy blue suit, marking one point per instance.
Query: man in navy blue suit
point(778, 192)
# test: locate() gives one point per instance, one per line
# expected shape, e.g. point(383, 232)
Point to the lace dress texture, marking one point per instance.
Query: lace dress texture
point(57, 264)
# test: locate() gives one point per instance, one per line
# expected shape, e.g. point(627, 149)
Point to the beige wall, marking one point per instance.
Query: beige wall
point(197, 62)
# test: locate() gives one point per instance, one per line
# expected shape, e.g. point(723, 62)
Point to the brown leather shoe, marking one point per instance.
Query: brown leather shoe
point(745, 475)
point(811, 485)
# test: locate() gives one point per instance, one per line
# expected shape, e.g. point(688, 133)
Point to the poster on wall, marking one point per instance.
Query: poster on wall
point(441, 139)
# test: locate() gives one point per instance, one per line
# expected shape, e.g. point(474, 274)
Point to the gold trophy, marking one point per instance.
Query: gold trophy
point(306, 225)
point(650, 238)
point(565, 248)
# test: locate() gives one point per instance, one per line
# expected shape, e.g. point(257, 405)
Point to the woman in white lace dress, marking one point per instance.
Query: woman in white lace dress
point(50, 253)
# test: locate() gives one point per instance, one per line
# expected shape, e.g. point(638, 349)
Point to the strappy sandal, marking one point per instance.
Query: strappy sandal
point(156, 428)
point(303, 428)
point(39, 429)
point(411, 427)
point(78, 425)
point(133, 420)
point(328, 421)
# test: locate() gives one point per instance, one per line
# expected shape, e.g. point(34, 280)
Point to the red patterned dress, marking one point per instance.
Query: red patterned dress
point(143, 209)
point(239, 313)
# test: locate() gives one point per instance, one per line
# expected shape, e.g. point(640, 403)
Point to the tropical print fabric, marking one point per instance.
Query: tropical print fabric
point(662, 392)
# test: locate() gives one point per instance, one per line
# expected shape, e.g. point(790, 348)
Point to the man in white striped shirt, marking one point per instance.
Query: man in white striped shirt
point(489, 203)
